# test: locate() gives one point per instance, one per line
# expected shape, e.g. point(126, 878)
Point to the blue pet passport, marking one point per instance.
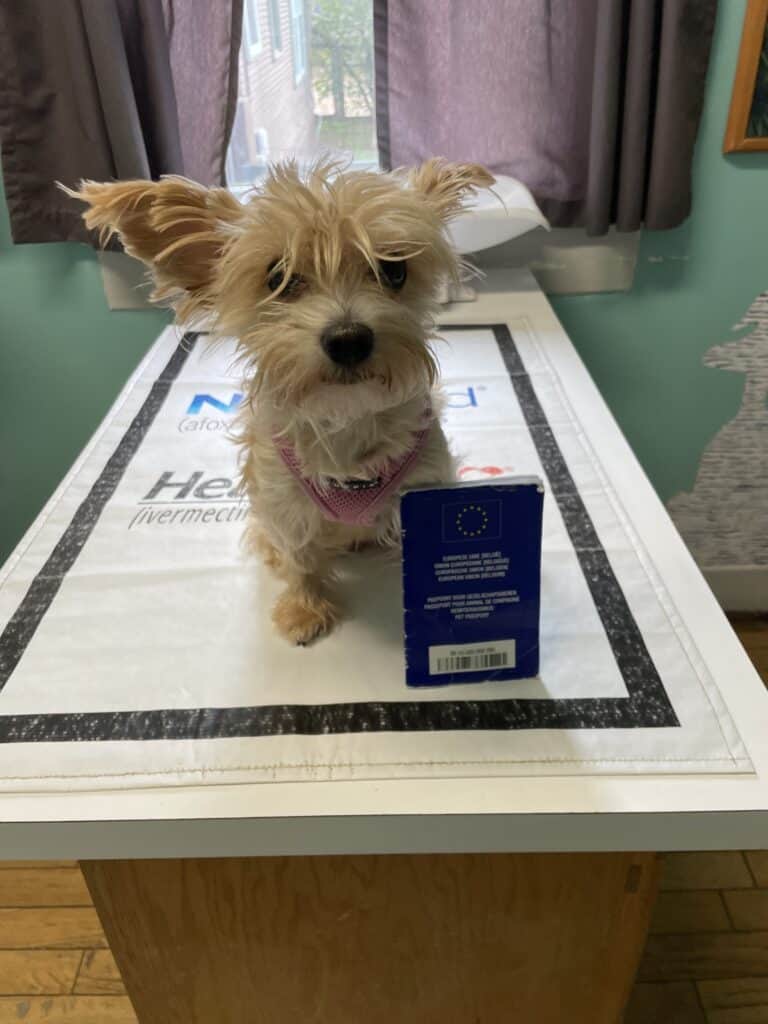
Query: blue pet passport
point(472, 581)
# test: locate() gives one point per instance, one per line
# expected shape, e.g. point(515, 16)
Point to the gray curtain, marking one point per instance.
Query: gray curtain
point(594, 104)
point(108, 89)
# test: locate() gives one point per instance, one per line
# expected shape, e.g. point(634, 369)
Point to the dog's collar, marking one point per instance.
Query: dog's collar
point(356, 502)
point(354, 484)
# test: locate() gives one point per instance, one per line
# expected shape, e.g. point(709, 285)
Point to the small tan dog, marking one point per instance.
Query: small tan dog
point(328, 281)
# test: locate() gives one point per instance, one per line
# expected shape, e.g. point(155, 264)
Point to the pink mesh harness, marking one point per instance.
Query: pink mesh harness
point(356, 502)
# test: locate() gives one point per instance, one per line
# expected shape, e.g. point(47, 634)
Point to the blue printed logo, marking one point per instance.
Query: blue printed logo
point(464, 399)
point(476, 520)
point(197, 403)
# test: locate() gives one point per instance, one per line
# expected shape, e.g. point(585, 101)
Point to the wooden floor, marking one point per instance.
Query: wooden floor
point(706, 961)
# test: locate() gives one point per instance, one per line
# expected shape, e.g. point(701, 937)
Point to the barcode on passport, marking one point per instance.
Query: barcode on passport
point(471, 657)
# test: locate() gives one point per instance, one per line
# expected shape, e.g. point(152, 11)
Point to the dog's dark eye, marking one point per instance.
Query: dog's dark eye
point(393, 273)
point(275, 278)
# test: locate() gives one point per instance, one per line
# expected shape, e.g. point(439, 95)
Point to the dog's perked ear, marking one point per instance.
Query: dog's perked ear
point(175, 226)
point(446, 185)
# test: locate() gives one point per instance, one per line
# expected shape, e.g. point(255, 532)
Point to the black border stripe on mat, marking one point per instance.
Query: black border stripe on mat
point(28, 616)
point(640, 675)
point(646, 705)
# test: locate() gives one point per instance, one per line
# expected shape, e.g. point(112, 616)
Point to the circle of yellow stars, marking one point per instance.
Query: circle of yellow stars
point(480, 527)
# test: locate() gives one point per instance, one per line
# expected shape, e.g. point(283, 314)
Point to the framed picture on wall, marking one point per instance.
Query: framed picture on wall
point(747, 127)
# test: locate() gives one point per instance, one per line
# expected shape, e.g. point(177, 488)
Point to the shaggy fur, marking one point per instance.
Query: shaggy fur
point(325, 235)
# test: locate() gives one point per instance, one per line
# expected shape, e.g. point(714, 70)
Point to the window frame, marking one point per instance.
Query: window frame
point(298, 39)
point(252, 28)
point(275, 28)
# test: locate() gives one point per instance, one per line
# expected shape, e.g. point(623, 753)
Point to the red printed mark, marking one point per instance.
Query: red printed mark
point(486, 470)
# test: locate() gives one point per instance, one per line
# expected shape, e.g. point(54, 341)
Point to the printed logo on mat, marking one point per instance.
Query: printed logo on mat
point(175, 499)
point(197, 419)
point(230, 407)
point(463, 398)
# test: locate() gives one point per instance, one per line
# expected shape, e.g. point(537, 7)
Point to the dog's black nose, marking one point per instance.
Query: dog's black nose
point(347, 344)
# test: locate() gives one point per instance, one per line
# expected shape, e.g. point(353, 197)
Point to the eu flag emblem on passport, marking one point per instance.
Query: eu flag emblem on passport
point(470, 520)
point(471, 581)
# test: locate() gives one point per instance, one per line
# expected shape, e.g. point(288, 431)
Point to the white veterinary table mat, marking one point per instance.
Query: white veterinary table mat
point(142, 684)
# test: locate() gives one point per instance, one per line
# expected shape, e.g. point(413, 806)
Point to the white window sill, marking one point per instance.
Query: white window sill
point(125, 280)
point(564, 261)
point(567, 261)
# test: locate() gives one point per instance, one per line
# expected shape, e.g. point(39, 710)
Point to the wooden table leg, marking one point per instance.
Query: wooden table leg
point(429, 939)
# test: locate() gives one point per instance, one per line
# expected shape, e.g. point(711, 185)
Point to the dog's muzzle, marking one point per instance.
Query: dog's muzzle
point(347, 344)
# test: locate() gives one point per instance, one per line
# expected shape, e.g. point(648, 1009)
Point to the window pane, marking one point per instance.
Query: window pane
point(308, 90)
point(298, 39)
point(274, 24)
point(251, 26)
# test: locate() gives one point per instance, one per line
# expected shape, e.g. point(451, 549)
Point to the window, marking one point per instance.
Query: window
point(251, 29)
point(299, 40)
point(239, 166)
point(261, 145)
point(275, 28)
point(313, 101)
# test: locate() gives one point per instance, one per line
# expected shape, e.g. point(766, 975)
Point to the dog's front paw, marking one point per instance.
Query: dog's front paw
point(302, 617)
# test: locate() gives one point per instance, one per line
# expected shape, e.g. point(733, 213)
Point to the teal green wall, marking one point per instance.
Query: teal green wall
point(644, 347)
point(63, 358)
